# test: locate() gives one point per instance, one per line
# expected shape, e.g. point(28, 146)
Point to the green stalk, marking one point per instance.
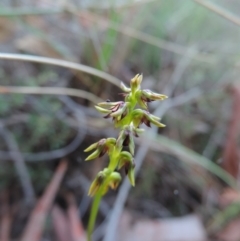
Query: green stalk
point(98, 197)
point(93, 214)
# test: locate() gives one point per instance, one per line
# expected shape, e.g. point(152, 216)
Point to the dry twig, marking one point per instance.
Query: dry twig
point(50, 91)
point(62, 63)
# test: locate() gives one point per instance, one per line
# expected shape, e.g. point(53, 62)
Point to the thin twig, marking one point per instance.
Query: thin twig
point(50, 91)
point(20, 165)
point(62, 63)
point(220, 11)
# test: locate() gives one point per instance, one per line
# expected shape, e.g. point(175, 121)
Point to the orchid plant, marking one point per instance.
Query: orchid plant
point(127, 118)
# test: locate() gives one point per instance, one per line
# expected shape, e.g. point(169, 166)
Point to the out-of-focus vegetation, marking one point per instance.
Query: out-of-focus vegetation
point(183, 49)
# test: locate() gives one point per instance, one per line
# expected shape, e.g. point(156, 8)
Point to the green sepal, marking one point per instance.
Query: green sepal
point(120, 139)
point(131, 144)
point(94, 155)
point(107, 104)
point(137, 115)
point(140, 101)
point(124, 159)
point(96, 184)
point(155, 120)
point(152, 95)
point(131, 175)
point(138, 131)
point(111, 141)
point(102, 110)
point(91, 147)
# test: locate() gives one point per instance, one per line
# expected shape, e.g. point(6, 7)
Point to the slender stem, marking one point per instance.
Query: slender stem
point(93, 214)
point(98, 197)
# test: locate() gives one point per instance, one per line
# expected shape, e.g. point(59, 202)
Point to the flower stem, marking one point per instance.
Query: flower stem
point(98, 197)
point(93, 214)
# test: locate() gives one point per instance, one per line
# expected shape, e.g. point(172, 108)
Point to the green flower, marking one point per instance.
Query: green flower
point(96, 184)
point(127, 162)
point(146, 96)
point(102, 146)
point(117, 110)
point(144, 117)
point(112, 182)
point(125, 138)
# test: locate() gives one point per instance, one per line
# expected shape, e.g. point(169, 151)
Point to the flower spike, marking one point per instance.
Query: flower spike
point(128, 119)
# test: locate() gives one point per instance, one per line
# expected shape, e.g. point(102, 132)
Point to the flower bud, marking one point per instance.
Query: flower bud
point(114, 180)
point(136, 83)
point(96, 184)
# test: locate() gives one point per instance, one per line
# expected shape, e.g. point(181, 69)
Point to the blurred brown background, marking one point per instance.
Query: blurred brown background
point(187, 183)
